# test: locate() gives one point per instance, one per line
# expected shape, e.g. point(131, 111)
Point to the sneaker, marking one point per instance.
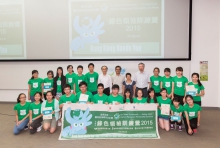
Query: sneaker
point(171, 126)
point(194, 130)
point(180, 128)
point(59, 123)
point(39, 128)
point(26, 128)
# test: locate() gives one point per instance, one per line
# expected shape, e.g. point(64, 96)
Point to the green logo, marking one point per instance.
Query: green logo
point(117, 116)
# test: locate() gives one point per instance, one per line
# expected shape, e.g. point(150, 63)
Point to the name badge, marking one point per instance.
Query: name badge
point(47, 87)
point(35, 85)
point(47, 113)
point(175, 118)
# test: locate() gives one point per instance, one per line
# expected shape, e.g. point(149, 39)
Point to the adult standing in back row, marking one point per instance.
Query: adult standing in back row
point(142, 80)
point(118, 79)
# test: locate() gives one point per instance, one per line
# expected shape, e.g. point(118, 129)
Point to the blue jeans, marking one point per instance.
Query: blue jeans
point(20, 127)
point(32, 98)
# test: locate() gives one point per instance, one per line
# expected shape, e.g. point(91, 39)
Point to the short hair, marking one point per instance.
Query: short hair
point(80, 66)
point(115, 86)
point(175, 99)
point(66, 86)
point(117, 67)
point(167, 70)
point(179, 69)
point(82, 83)
point(104, 66)
point(100, 85)
point(50, 71)
point(127, 74)
point(141, 64)
point(91, 64)
point(162, 89)
point(157, 69)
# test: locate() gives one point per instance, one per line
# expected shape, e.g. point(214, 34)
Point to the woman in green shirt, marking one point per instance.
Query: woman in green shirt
point(191, 116)
point(140, 99)
point(35, 114)
point(21, 114)
point(151, 97)
point(127, 96)
point(155, 81)
point(58, 83)
point(48, 82)
point(166, 82)
point(199, 88)
point(70, 76)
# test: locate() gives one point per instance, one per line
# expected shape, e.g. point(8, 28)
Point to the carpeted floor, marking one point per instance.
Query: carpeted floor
point(208, 136)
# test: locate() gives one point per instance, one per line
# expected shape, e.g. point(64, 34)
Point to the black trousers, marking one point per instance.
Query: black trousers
point(157, 94)
point(35, 124)
point(198, 102)
point(144, 90)
point(180, 98)
point(192, 122)
point(107, 91)
point(177, 123)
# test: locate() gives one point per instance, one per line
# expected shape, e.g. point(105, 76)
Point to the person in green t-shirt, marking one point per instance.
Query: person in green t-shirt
point(128, 96)
point(79, 78)
point(140, 99)
point(191, 116)
point(155, 81)
point(70, 76)
point(151, 97)
point(179, 84)
point(115, 98)
point(35, 84)
point(68, 97)
point(21, 114)
point(35, 114)
point(92, 79)
point(176, 111)
point(100, 98)
point(84, 96)
point(48, 82)
point(164, 110)
point(166, 82)
point(199, 88)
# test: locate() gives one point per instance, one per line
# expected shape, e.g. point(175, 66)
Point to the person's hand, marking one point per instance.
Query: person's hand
point(190, 131)
point(117, 103)
point(31, 127)
point(53, 112)
point(198, 124)
point(19, 122)
point(30, 121)
point(197, 94)
point(91, 102)
point(179, 121)
point(58, 98)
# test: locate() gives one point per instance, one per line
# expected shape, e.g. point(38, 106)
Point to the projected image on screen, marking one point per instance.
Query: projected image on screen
point(12, 41)
point(116, 29)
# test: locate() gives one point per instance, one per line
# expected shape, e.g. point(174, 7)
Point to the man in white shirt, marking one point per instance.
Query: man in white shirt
point(118, 78)
point(142, 79)
point(106, 80)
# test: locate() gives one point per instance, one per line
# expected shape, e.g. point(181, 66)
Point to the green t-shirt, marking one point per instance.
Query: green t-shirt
point(97, 99)
point(161, 101)
point(59, 87)
point(142, 101)
point(35, 85)
point(128, 100)
point(192, 112)
point(49, 81)
point(22, 110)
point(65, 99)
point(179, 85)
point(151, 100)
point(176, 111)
point(70, 79)
point(167, 83)
point(155, 83)
point(77, 80)
point(51, 104)
point(113, 100)
point(90, 98)
point(92, 80)
point(36, 109)
point(198, 88)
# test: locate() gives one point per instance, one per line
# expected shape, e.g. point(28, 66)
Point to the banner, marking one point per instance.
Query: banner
point(99, 121)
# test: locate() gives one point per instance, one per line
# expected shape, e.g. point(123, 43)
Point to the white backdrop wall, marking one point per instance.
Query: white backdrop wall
point(205, 47)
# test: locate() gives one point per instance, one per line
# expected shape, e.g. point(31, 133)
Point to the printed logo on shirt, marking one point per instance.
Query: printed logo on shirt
point(35, 85)
point(176, 114)
point(36, 111)
point(156, 83)
point(22, 112)
point(92, 79)
point(79, 81)
point(70, 80)
point(58, 82)
point(100, 102)
point(167, 84)
point(179, 84)
point(191, 114)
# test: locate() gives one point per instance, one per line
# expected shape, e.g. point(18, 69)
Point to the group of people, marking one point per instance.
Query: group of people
point(104, 89)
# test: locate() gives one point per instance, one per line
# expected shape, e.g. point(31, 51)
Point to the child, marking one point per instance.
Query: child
point(127, 96)
point(115, 98)
point(164, 109)
point(191, 116)
point(140, 99)
point(83, 91)
point(35, 84)
point(176, 111)
point(35, 114)
point(166, 82)
point(199, 87)
point(70, 77)
point(100, 98)
point(58, 83)
point(151, 97)
point(51, 124)
point(155, 81)
point(79, 78)
point(178, 85)
point(129, 84)
point(49, 82)
point(92, 79)
point(21, 114)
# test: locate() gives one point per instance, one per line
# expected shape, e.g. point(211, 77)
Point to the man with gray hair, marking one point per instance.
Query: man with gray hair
point(142, 79)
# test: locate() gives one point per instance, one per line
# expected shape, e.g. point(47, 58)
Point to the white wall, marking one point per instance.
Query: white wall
point(205, 47)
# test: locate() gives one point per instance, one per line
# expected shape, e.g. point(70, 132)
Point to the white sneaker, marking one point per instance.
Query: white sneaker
point(39, 128)
point(59, 123)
